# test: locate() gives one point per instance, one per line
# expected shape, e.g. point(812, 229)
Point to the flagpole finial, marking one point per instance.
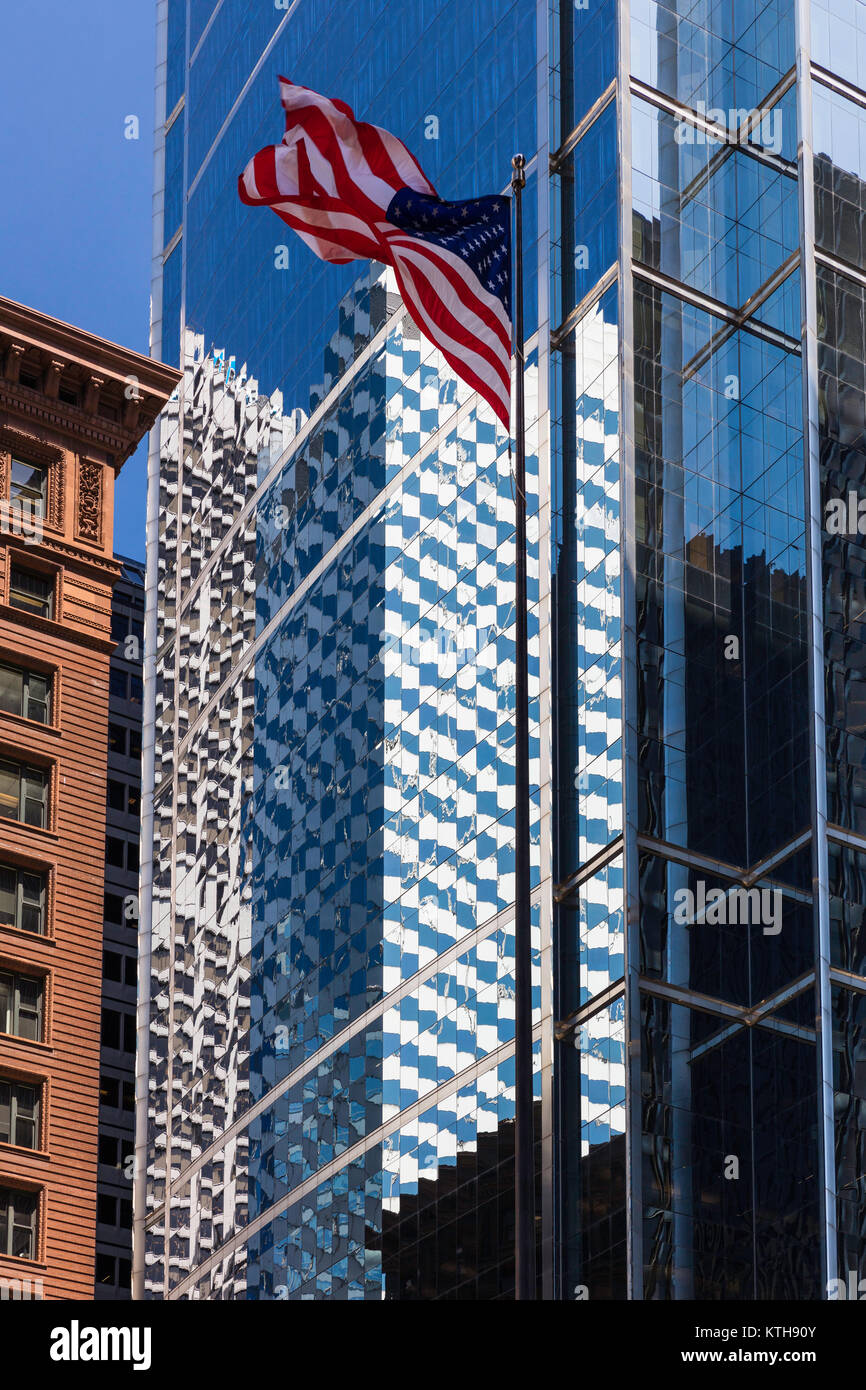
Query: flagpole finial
point(518, 178)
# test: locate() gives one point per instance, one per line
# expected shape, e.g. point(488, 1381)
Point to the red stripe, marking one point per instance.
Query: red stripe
point(326, 202)
point(265, 174)
point(361, 247)
point(380, 161)
point(341, 106)
point(463, 287)
point(369, 137)
point(317, 127)
point(269, 195)
point(442, 318)
point(495, 398)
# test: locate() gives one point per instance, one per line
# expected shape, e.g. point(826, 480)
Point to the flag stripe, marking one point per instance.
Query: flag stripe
point(329, 232)
point(446, 315)
point(390, 158)
point(460, 288)
point(456, 356)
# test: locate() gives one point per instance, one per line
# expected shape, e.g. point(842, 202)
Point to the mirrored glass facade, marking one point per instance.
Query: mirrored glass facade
point(330, 1074)
point(326, 1073)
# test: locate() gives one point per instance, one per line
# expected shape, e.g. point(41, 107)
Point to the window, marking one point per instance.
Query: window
point(123, 798)
point(114, 1211)
point(18, 1210)
point(120, 1095)
point(132, 857)
point(21, 1006)
point(19, 1114)
point(25, 693)
point(22, 899)
point(23, 794)
point(114, 1152)
point(109, 1091)
point(29, 486)
point(117, 739)
point(117, 684)
point(114, 851)
point(114, 1271)
point(119, 968)
point(136, 690)
point(119, 626)
point(118, 1030)
point(109, 1146)
point(135, 744)
point(32, 592)
point(106, 1210)
point(113, 908)
point(112, 965)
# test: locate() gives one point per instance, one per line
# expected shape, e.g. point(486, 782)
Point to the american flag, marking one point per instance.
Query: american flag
point(353, 191)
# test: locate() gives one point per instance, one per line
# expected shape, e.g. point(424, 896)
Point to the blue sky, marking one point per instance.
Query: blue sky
point(75, 233)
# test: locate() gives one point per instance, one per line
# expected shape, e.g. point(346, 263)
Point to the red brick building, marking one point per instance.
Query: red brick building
point(73, 407)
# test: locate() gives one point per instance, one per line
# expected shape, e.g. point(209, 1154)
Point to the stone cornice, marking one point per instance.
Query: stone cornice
point(106, 435)
point(127, 383)
point(61, 340)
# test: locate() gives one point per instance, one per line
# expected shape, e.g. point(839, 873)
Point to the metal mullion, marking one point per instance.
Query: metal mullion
point(573, 139)
point(837, 84)
point(714, 307)
point(13, 1112)
point(677, 108)
point(629, 676)
point(813, 517)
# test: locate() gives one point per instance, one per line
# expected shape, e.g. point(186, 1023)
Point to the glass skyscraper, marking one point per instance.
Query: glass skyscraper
point(325, 1091)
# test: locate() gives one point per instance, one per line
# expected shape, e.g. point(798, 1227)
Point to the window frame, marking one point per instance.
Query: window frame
point(27, 674)
point(20, 872)
point(14, 1084)
point(9, 1224)
point(25, 770)
point(16, 567)
point(16, 976)
point(25, 494)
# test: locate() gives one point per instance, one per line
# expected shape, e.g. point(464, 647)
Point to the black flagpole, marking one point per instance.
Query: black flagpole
point(524, 1157)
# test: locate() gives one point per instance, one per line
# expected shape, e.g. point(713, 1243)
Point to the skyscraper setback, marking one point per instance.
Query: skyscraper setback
point(326, 1072)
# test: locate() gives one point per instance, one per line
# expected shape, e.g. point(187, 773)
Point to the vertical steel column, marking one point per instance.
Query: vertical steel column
point(524, 1147)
